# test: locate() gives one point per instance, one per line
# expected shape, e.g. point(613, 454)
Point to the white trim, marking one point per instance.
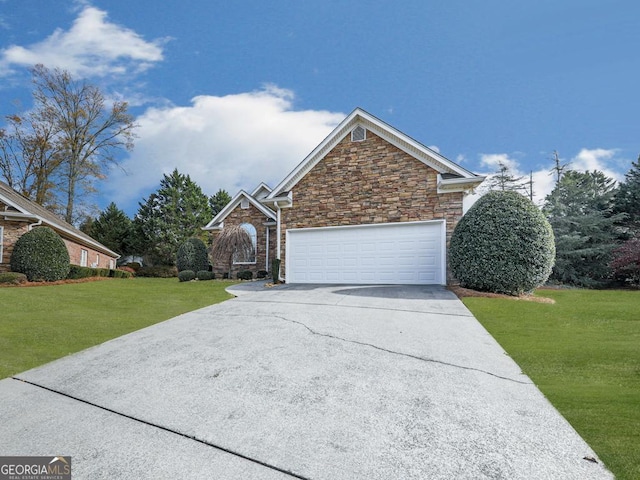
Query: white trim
point(222, 214)
point(262, 186)
point(383, 130)
point(443, 236)
point(84, 257)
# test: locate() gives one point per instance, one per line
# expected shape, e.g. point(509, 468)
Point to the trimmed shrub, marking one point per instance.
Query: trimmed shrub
point(118, 273)
point(192, 255)
point(41, 255)
point(205, 275)
point(262, 274)
point(13, 278)
point(128, 269)
point(503, 244)
point(186, 275)
point(77, 272)
point(245, 275)
point(159, 271)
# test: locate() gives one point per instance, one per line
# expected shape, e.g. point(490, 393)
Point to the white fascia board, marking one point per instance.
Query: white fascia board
point(283, 201)
point(458, 184)
point(262, 186)
point(235, 201)
point(383, 130)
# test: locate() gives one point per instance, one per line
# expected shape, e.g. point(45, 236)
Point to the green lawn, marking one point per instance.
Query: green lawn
point(40, 324)
point(584, 354)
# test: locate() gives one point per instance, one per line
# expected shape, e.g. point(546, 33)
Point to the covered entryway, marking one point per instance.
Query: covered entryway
point(391, 253)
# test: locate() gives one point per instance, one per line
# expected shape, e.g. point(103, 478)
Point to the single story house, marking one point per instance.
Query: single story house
point(19, 215)
point(369, 205)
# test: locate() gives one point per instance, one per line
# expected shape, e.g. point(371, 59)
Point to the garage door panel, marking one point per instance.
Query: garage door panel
point(406, 253)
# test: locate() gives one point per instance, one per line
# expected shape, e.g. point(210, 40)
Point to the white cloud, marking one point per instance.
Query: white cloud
point(604, 160)
point(92, 47)
point(229, 142)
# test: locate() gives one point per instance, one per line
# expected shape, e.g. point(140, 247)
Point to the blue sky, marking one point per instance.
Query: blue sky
point(235, 93)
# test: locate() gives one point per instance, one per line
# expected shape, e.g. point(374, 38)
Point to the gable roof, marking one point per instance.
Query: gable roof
point(216, 222)
point(25, 209)
point(261, 191)
point(463, 177)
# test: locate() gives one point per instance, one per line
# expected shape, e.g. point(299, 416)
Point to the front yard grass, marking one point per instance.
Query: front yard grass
point(583, 353)
point(43, 323)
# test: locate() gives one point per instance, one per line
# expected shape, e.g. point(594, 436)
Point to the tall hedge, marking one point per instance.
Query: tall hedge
point(503, 244)
point(192, 255)
point(41, 255)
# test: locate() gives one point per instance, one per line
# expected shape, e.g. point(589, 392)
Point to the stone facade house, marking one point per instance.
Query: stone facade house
point(18, 215)
point(369, 205)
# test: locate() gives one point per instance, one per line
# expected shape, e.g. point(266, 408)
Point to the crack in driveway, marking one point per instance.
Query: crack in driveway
point(386, 350)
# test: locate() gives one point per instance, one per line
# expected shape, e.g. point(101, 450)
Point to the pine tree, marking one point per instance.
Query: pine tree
point(114, 229)
point(218, 201)
point(628, 198)
point(580, 210)
point(176, 212)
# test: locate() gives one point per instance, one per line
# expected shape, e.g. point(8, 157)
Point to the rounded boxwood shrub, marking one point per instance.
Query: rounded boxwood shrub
point(503, 244)
point(13, 278)
point(186, 275)
point(41, 255)
point(192, 255)
point(205, 275)
point(245, 275)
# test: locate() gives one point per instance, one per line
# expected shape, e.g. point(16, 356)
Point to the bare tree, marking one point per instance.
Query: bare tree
point(558, 168)
point(232, 242)
point(504, 179)
point(87, 132)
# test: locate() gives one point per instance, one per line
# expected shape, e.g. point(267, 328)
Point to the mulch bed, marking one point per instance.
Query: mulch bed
point(467, 292)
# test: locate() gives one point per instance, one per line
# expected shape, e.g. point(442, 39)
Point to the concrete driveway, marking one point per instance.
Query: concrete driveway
point(313, 382)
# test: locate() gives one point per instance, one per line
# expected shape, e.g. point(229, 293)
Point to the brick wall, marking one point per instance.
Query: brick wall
point(256, 218)
point(94, 258)
point(369, 182)
point(11, 232)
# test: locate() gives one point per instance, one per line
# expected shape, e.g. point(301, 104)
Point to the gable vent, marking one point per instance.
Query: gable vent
point(244, 204)
point(358, 134)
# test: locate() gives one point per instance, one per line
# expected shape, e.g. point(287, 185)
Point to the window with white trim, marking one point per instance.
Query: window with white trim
point(84, 257)
point(112, 264)
point(248, 257)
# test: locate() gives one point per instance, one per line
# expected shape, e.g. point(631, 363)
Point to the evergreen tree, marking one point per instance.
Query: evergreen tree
point(218, 201)
point(176, 212)
point(628, 198)
point(580, 210)
point(114, 229)
point(505, 180)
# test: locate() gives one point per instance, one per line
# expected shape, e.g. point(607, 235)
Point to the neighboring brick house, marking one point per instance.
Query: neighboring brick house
point(18, 215)
point(369, 205)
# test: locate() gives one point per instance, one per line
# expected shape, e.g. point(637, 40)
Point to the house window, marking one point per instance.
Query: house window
point(358, 134)
point(112, 264)
point(97, 260)
point(84, 257)
point(248, 257)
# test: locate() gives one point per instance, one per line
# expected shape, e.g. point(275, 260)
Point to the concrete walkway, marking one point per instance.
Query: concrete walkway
point(311, 382)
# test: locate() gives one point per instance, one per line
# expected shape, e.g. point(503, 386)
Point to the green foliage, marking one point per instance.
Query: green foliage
point(41, 255)
point(205, 275)
point(275, 270)
point(503, 244)
point(77, 272)
point(114, 229)
point(174, 213)
point(192, 255)
point(580, 211)
point(218, 201)
point(245, 275)
point(627, 199)
point(13, 278)
point(186, 275)
point(262, 274)
point(158, 271)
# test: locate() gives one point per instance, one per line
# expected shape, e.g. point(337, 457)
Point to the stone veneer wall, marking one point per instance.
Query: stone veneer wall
point(368, 182)
point(256, 218)
point(11, 232)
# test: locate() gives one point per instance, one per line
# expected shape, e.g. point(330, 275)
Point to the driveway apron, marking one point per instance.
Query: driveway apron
point(311, 382)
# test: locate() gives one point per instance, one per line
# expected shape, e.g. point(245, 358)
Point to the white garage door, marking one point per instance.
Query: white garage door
point(392, 253)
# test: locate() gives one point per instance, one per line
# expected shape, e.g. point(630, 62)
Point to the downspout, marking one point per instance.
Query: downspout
point(37, 224)
point(266, 261)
